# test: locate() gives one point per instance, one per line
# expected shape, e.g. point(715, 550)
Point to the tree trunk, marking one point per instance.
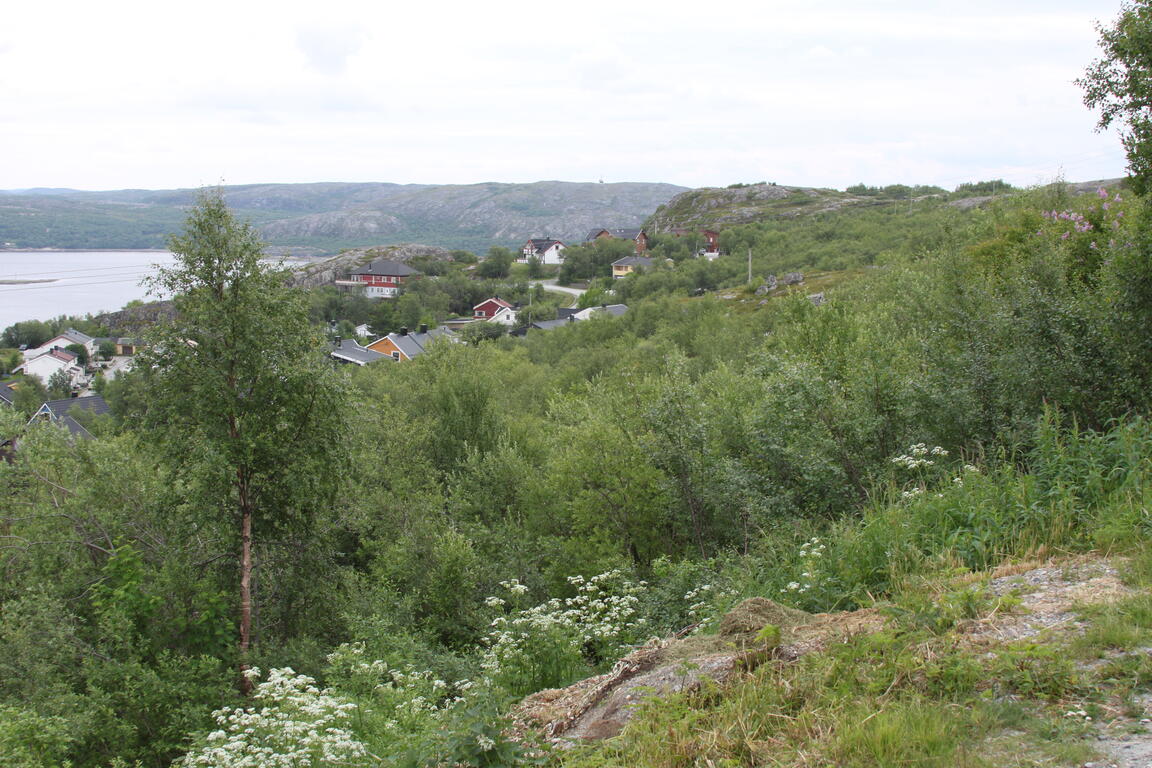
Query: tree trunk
point(245, 584)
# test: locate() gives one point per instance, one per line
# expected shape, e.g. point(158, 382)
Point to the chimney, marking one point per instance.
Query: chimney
point(423, 327)
point(339, 341)
point(404, 330)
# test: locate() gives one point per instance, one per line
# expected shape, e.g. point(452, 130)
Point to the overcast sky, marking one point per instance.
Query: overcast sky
point(109, 95)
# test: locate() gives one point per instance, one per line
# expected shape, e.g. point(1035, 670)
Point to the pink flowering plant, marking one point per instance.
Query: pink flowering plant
point(1089, 231)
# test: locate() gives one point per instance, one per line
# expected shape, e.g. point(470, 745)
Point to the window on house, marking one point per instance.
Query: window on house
point(395, 355)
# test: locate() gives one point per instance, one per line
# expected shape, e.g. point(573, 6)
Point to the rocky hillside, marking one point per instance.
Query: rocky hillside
point(718, 208)
point(331, 217)
point(324, 272)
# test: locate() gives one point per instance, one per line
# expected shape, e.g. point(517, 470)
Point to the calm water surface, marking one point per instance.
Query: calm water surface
point(84, 282)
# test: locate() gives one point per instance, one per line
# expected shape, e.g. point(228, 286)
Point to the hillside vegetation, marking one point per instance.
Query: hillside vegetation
point(518, 514)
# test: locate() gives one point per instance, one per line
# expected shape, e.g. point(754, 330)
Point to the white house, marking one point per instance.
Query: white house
point(546, 249)
point(495, 310)
point(45, 365)
point(70, 336)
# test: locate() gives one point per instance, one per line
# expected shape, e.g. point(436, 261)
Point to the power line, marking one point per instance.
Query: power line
point(81, 269)
point(65, 285)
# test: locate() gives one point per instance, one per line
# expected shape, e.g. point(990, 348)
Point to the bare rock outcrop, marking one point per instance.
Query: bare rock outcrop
point(600, 707)
point(324, 272)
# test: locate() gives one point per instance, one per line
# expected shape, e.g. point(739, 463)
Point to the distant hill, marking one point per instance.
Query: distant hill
point(327, 217)
point(722, 207)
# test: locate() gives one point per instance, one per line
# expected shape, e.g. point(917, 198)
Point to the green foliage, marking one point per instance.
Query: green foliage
point(59, 385)
point(497, 263)
point(475, 333)
point(1118, 85)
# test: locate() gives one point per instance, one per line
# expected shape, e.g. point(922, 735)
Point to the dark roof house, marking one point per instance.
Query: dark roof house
point(58, 412)
point(405, 345)
point(349, 351)
point(386, 267)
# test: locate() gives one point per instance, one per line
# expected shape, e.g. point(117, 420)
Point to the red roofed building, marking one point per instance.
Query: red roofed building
point(495, 310)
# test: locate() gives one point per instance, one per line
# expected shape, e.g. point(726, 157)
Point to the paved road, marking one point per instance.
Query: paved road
point(550, 285)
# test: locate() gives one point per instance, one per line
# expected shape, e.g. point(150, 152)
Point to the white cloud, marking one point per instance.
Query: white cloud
point(145, 94)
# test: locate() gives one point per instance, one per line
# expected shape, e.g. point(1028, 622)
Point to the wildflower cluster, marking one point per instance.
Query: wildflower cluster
point(917, 456)
point(292, 723)
point(403, 699)
point(703, 601)
point(810, 577)
point(594, 624)
point(1089, 233)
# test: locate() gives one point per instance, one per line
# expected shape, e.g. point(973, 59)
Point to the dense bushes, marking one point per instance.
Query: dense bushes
point(711, 449)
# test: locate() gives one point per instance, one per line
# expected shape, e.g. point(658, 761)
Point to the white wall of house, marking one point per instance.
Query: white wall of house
point(58, 342)
point(554, 255)
point(504, 316)
point(44, 366)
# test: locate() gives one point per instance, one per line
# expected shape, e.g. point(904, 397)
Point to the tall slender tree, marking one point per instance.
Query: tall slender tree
point(241, 399)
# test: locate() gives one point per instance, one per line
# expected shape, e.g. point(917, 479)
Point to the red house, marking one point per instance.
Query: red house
point(489, 308)
point(638, 236)
point(382, 278)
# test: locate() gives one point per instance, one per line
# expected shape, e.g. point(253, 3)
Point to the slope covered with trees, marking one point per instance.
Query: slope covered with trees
point(691, 442)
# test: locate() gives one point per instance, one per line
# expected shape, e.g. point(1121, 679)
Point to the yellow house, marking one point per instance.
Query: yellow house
point(630, 264)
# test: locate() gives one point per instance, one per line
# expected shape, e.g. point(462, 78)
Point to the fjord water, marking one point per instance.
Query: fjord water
point(83, 282)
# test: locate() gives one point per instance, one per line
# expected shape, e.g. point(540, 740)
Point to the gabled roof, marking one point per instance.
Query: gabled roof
point(57, 412)
point(7, 394)
point(615, 310)
point(349, 351)
point(547, 325)
point(386, 267)
point(63, 355)
point(426, 338)
point(627, 233)
point(543, 243)
point(56, 409)
point(72, 336)
point(495, 299)
point(413, 344)
point(633, 261)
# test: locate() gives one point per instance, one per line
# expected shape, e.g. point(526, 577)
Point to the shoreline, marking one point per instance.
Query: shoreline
point(84, 250)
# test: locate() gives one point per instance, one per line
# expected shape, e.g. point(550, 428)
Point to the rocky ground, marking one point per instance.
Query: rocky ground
point(1046, 602)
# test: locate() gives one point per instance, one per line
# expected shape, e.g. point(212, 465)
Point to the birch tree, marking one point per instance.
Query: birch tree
point(242, 402)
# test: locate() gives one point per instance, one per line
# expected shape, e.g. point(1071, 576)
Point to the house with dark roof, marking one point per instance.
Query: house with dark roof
point(382, 279)
point(711, 249)
point(569, 316)
point(609, 310)
point(546, 249)
point(61, 412)
point(629, 264)
point(7, 395)
point(638, 236)
point(349, 351)
point(70, 336)
point(406, 346)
